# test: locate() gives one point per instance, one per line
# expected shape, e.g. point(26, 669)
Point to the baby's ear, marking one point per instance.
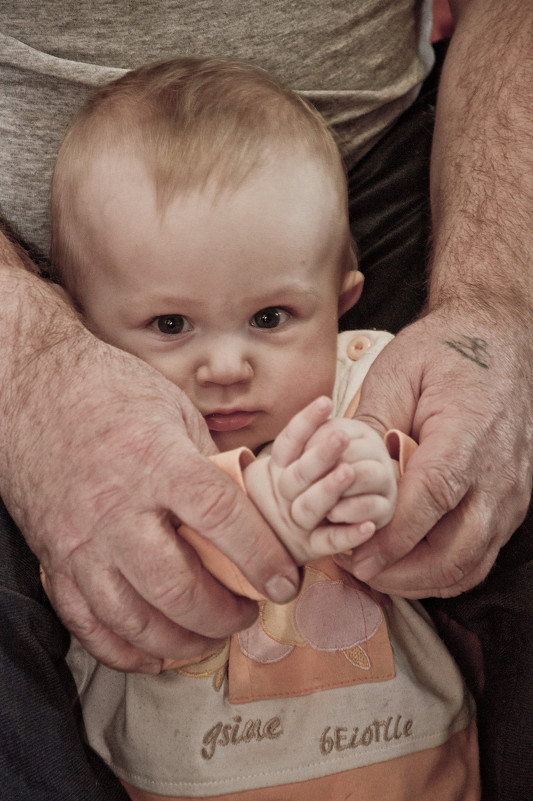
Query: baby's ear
point(351, 289)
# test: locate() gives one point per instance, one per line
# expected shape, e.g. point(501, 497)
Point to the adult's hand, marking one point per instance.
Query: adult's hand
point(101, 459)
point(459, 380)
point(464, 392)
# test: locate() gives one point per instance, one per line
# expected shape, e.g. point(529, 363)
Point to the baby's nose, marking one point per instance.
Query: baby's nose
point(224, 365)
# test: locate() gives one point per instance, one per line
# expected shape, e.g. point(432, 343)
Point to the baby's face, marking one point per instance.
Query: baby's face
point(233, 296)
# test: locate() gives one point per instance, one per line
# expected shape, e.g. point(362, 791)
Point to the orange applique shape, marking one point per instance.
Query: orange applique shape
point(334, 634)
point(213, 665)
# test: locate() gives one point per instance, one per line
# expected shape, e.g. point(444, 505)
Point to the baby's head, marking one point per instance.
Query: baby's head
point(199, 219)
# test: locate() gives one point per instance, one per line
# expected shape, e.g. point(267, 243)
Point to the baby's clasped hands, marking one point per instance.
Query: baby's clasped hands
point(327, 486)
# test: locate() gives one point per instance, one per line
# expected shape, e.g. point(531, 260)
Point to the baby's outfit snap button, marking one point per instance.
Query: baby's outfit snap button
point(358, 346)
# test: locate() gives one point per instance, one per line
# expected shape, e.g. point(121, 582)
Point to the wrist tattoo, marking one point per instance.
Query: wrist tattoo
point(473, 348)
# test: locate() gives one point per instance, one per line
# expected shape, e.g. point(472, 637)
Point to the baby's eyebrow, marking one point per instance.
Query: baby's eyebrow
point(289, 289)
point(145, 300)
point(155, 304)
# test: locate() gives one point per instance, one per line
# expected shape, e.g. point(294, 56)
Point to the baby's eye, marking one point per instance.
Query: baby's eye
point(272, 317)
point(172, 324)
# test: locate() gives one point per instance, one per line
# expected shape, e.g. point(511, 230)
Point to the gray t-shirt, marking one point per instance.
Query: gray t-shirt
point(361, 63)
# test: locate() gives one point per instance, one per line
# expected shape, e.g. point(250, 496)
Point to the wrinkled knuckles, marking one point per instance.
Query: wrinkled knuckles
point(466, 567)
point(180, 599)
point(467, 582)
point(444, 489)
point(452, 574)
point(218, 505)
point(86, 628)
point(133, 628)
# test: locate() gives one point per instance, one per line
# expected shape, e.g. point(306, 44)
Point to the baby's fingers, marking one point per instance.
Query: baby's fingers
point(290, 443)
point(332, 540)
point(314, 504)
point(355, 509)
point(303, 475)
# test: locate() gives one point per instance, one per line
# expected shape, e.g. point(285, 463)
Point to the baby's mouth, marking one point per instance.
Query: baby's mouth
point(231, 420)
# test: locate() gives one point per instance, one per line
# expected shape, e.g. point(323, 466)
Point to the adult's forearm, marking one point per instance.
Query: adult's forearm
point(464, 388)
point(482, 164)
point(33, 318)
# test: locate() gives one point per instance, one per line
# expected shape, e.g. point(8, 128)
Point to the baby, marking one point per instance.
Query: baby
point(200, 223)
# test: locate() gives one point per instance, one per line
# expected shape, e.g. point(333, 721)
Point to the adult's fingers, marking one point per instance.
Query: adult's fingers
point(213, 505)
point(457, 554)
point(145, 630)
point(448, 524)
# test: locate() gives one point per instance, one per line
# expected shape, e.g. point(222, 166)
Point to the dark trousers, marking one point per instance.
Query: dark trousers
point(42, 757)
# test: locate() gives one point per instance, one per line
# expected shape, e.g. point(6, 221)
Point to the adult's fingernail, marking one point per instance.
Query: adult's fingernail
point(280, 589)
point(368, 568)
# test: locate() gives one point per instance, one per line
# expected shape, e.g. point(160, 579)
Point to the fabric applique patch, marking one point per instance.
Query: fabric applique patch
point(333, 634)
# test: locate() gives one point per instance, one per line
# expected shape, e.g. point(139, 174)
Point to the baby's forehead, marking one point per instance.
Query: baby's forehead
point(170, 171)
point(291, 195)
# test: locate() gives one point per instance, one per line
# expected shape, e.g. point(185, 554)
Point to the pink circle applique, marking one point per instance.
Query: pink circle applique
point(331, 616)
point(257, 645)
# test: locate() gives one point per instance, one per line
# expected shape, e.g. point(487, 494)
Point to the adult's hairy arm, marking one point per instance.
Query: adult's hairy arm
point(101, 458)
point(459, 379)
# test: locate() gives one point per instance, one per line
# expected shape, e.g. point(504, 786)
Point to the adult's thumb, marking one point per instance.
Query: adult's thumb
point(389, 393)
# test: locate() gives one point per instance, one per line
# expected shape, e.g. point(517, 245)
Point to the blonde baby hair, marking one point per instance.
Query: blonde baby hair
point(192, 121)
